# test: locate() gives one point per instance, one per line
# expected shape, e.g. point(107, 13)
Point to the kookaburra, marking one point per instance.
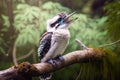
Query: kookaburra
point(54, 42)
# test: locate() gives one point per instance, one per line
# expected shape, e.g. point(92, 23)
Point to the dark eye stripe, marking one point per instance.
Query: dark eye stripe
point(53, 24)
point(58, 20)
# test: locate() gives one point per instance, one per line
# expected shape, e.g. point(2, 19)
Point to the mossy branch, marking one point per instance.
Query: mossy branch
point(25, 70)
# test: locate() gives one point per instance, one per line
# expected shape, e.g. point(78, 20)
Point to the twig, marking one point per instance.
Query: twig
point(81, 44)
point(14, 55)
point(110, 44)
point(25, 56)
point(79, 74)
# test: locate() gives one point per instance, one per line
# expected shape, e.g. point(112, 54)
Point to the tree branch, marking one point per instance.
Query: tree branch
point(14, 55)
point(81, 44)
point(25, 70)
point(27, 55)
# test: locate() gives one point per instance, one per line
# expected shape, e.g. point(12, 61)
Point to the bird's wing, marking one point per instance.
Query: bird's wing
point(45, 43)
point(54, 45)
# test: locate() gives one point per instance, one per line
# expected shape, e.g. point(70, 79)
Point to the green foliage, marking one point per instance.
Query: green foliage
point(54, 7)
point(89, 31)
point(2, 43)
point(105, 69)
point(5, 65)
point(30, 21)
point(113, 24)
point(27, 24)
point(6, 22)
point(4, 29)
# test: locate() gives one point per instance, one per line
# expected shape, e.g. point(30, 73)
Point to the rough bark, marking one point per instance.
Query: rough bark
point(25, 70)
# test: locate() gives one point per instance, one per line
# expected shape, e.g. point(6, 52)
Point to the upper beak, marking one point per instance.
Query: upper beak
point(68, 16)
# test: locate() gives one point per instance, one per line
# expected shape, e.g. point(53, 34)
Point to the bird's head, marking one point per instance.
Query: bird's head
point(61, 20)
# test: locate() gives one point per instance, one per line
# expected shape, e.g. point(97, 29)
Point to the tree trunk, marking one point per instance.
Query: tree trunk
point(11, 27)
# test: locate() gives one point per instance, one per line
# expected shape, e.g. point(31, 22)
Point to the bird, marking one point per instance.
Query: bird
point(55, 40)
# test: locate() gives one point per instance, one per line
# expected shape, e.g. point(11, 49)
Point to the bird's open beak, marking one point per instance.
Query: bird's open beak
point(67, 18)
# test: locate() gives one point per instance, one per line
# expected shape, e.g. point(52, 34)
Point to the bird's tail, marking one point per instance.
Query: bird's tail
point(46, 76)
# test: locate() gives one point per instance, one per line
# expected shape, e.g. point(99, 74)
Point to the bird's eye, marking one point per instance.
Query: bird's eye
point(59, 19)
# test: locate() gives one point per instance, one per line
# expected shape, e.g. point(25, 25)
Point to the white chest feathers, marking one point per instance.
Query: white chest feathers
point(60, 36)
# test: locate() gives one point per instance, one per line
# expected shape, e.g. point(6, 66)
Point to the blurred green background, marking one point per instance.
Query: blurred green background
point(22, 22)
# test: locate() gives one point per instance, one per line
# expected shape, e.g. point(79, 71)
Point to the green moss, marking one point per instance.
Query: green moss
point(104, 69)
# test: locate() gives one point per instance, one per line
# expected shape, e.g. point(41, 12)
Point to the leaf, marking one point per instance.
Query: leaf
point(30, 39)
point(2, 50)
point(6, 21)
point(48, 5)
point(22, 6)
point(21, 40)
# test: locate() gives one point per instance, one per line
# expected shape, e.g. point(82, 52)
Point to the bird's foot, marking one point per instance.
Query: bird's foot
point(59, 57)
point(62, 59)
point(52, 61)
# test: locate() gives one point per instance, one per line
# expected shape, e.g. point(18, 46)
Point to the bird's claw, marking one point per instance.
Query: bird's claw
point(59, 57)
point(52, 61)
